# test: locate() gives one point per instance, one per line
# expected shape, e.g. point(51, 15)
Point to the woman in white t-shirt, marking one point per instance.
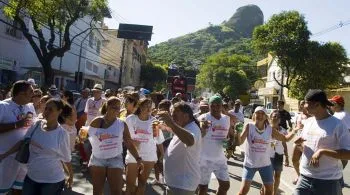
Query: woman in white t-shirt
point(146, 140)
point(67, 119)
point(257, 151)
point(49, 147)
point(106, 135)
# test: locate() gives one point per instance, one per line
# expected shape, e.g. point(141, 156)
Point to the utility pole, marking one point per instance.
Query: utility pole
point(282, 84)
point(122, 63)
point(79, 62)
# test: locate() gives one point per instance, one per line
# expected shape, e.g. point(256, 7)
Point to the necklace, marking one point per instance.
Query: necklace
point(258, 130)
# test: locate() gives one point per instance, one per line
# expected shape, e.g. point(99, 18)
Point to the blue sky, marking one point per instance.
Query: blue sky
point(171, 19)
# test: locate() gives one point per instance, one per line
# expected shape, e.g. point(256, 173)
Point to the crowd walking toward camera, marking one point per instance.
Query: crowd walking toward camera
point(121, 136)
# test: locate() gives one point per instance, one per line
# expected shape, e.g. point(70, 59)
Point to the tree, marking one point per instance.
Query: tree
point(52, 15)
point(286, 35)
point(324, 65)
point(153, 76)
point(222, 73)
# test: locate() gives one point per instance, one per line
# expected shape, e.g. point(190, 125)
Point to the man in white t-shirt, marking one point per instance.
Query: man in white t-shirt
point(325, 140)
point(16, 116)
point(236, 111)
point(213, 159)
point(93, 104)
point(181, 163)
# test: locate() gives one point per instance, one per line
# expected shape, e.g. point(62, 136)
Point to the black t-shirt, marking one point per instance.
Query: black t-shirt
point(285, 116)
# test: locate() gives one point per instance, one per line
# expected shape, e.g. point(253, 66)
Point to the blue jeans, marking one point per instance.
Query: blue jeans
point(265, 174)
point(31, 187)
point(311, 186)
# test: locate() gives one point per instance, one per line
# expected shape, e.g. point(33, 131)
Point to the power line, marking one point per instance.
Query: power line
point(109, 52)
point(332, 28)
point(38, 38)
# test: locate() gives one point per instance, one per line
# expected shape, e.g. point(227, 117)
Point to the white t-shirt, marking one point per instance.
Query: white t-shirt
point(329, 133)
point(11, 112)
point(257, 150)
point(212, 142)
point(276, 146)
point(181, 163)
point(47, 150)
point(343, 116)
point(239, 115)
point(92, 108)
point(142, 131)
point(72, 132)
point(107, 143)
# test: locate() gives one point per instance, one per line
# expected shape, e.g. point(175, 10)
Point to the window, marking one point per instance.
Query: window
point(95, 69)
point(89, 65)
point(13, 31)
point(98, 47)
point(91, 40)
point(132, 73)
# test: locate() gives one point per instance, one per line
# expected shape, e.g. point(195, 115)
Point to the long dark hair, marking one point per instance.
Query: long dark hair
point(70, 97)
point(183, 107)
point(142, 102)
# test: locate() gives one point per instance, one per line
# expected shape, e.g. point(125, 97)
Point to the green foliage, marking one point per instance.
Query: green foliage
point(53, 15)
point(153, 76)
point(323, 69)
point(191, 50)
point(285, 35)
point(222, 73)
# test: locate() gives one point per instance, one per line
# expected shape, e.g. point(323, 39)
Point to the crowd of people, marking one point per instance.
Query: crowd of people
point(120, 133)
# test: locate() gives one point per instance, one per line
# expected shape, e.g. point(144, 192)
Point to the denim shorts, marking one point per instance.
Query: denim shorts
point(277, 162)
point(116, 162)
point(310, 186)
point(265, 174)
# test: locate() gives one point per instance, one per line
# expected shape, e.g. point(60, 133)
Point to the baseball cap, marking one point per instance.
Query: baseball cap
point(260, 108)
point(338, 100)
point(215, 99)
point(317, 95)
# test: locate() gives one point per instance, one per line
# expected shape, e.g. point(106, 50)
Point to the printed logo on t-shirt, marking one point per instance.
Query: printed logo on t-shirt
point(218, 132)
point(105, 136)
point(259, 144)
point(142, 135)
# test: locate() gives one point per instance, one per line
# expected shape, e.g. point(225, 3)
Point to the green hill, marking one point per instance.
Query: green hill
point(191, 50)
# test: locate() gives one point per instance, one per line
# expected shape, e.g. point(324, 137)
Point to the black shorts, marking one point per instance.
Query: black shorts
point(277, 162)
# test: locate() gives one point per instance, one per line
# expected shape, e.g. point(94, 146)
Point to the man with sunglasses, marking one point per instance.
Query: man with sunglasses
point(15, 119)
point(325, 140)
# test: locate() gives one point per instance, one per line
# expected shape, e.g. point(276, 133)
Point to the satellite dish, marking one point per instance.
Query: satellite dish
point(259, 84)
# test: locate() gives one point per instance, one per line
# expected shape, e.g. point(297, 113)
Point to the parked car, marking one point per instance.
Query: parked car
point(248, 110)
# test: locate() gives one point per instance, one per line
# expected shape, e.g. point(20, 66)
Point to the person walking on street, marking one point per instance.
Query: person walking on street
point(236, 111)
point(325, 140)
point(259, 135)
point(14, 123)
point(106, 134)
point(80, 105)
point(94, 104)
point(212, 155)
point(49, 148)
point(285, 119)
point(146, 137)
point(181, 162)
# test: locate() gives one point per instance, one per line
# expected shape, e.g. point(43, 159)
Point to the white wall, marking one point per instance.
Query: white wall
point(273, 68)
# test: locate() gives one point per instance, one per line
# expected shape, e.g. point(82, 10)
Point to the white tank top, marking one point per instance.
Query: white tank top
point(107, 143)
point(257, 151)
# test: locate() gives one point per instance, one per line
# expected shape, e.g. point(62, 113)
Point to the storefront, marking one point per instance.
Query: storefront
point(8, 68)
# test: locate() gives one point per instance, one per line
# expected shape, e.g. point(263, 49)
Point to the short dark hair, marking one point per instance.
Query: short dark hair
point(280, 102)
point(164, 104)
point(58, 102)
point(142, 102)
point(70, 97)
point(185, 108)
point(19, 86)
